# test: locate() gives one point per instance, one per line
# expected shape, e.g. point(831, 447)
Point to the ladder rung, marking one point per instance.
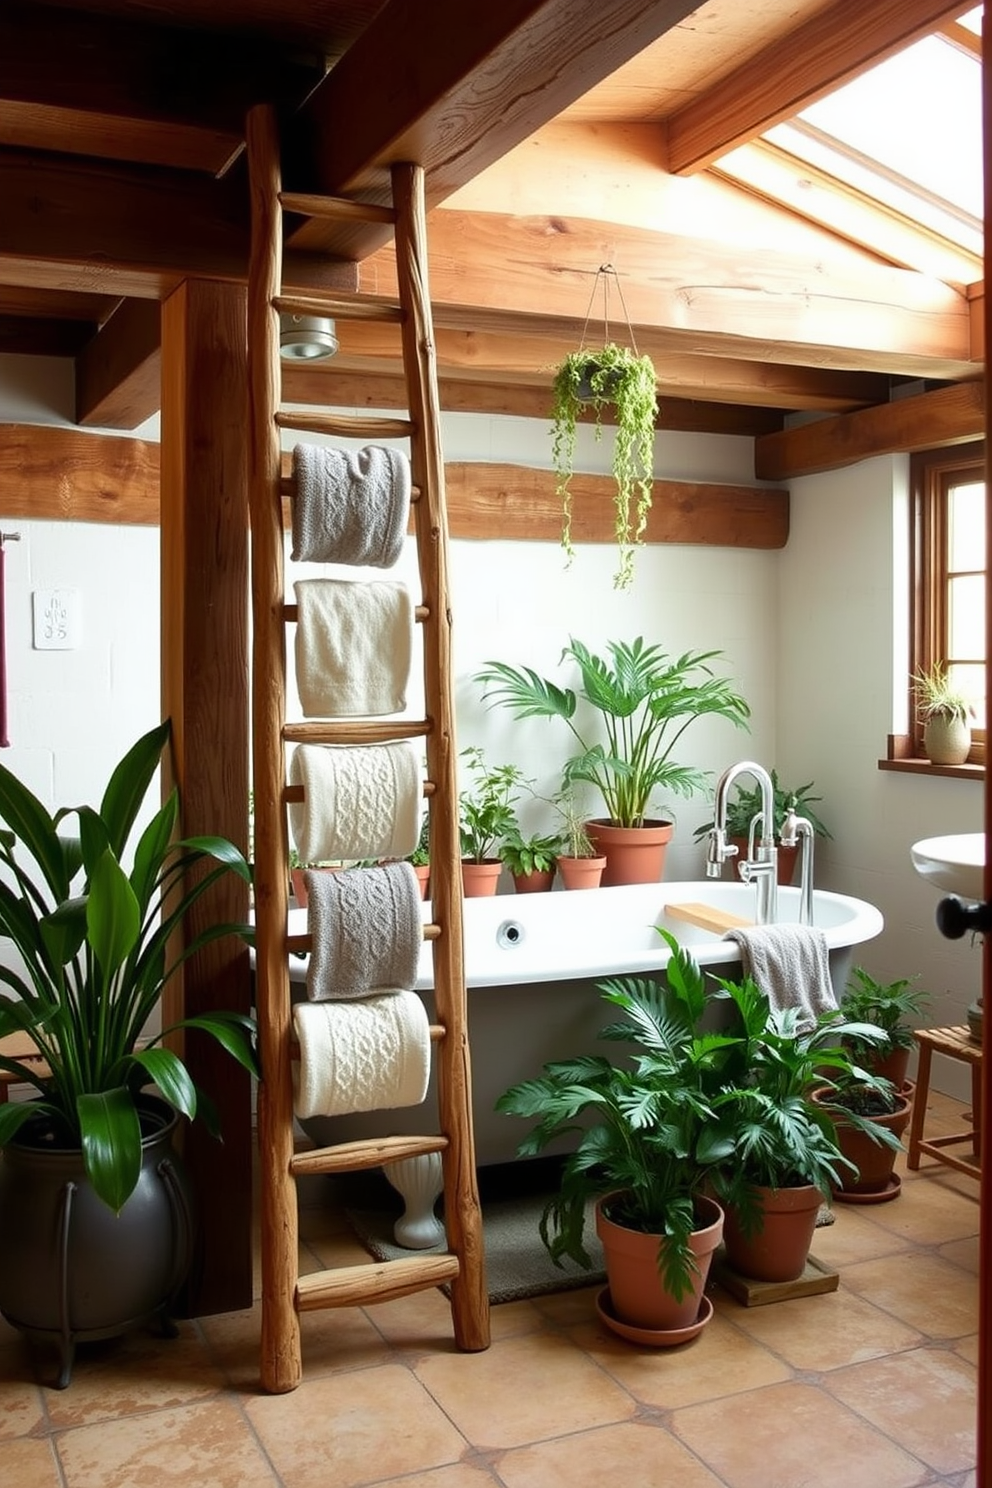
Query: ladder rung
point(379, 1281)
point(301, 943)
point(295, 792)
point(353, 1157)
point(334, 208)
point(287, 489)
point(341, 307)
point(346, 426)
point(347, 732)
point(291, 613)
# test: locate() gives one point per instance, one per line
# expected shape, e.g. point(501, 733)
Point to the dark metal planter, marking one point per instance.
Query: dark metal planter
point(73, 1271)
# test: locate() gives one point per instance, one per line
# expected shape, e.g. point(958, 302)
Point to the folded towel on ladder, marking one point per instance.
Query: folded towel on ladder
point(350, 507)
point(791, 966)
point(366, 931)
point(372, 1055)
point(359, 800)
point(354, 644)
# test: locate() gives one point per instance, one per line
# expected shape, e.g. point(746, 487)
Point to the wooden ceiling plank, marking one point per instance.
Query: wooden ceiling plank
point(926, 421)
point(118, 372)
point(487, 78)
point(829, 49)
point(33, 126)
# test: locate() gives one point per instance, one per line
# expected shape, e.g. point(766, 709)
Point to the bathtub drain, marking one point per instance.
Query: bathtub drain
point(510, 934)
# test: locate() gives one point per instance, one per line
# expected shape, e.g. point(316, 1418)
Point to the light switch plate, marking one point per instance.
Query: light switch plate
point(57, 619)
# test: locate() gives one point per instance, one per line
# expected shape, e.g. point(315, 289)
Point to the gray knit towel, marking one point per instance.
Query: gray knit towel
point(350, 507)
point(361, 1056)
point(791, 965)
point(366, 931)
point(359, 800)
point(354, 645)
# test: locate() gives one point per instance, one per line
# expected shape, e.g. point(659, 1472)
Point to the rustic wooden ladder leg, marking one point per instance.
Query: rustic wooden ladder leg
point(285, 1294)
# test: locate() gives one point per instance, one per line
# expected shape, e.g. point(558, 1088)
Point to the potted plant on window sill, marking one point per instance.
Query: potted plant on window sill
point(610, 376)
point(945, 714)
point(644, 700)
point(96, 1222)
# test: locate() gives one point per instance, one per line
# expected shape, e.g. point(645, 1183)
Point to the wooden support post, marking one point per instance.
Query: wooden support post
point(205, 692)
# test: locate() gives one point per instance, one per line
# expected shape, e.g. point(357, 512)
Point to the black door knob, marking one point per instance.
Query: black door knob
point(958, 917)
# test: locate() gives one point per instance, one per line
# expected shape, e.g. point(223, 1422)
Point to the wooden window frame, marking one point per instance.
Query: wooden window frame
point(931, 473)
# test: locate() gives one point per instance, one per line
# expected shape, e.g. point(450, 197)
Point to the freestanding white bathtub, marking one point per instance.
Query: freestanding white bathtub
point(532, 964)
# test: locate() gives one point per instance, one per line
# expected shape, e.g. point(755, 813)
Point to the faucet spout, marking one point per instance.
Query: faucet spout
point(761, 863)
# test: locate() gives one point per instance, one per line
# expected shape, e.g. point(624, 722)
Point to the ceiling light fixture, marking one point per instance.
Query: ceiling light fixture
point(306, 337)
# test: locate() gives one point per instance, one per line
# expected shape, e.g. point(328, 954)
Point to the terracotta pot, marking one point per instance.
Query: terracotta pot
point(636, 1291)
point(874, 1162)
point(894, 1066)
point(479, 880)
point(778, 1249)
point(581, 873)
point(537, 882)
point(633, 854)
point(423, 872)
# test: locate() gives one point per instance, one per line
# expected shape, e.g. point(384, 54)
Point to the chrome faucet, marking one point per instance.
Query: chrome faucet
point(800, 829)
point(760, 867)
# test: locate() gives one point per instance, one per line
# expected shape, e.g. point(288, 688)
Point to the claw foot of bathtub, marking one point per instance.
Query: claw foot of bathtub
point(418, 1181)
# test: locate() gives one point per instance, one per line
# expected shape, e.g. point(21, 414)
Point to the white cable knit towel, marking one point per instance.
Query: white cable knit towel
point(359, 801)
point(791, 965)
point(361, 1056)
point(366, 931)
point(350, 507)
point(354, 644)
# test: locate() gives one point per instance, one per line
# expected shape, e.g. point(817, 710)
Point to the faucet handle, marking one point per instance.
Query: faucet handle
point(789, 836)
point(718, 850)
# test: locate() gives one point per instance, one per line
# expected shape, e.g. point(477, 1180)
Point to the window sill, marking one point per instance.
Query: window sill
point(924, 767)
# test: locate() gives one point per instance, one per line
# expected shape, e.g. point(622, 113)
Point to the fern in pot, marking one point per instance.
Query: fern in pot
point(610, 377)
point(94, 1214)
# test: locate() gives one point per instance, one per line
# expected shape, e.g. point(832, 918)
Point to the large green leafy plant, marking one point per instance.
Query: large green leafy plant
point(98, 943)
point(485, 805)
point(644, 699)
point(653, 1133)
point(610, 376)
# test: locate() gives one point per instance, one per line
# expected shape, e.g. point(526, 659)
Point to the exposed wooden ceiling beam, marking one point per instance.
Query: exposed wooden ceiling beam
point(489, 76)
point(835, 45)
point(927, 421)
point(124, 90)
point(118, 372)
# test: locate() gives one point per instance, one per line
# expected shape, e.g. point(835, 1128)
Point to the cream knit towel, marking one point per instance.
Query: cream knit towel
point(366, 931)
point(350, 508)
point(361, 1056)
point(360, 801)
point(791, 965)
point(354, 643)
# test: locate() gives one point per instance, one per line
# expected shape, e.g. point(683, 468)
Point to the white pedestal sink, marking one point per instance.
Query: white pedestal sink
point(954, 864)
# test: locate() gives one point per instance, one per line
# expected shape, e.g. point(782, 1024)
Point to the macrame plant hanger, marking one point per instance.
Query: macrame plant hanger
point(604, 274)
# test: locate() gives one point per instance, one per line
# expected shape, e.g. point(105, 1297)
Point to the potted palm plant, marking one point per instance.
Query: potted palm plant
point(649, 1136)
point(888, 1006)
point(611, 376)
point(94, 1217)
point(945, 714)
point(644, 701)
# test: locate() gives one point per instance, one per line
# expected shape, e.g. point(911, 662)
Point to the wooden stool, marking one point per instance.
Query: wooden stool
point(953, 1043)
point(19, 1046)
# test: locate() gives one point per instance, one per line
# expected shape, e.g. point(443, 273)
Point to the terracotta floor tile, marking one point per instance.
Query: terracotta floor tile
point(721, 1361)
point(930, 1213)
point(968, 1348)
point(921, 1290)
point(924, 1399)
point(577, 1305)
point(140, 1372)
point(202, 1444)
point(636, 1453)
point(21, 1408)
point(341, 1338)
point(827, 1331)
point(523, 1390)
point(962, 1253)
point(346, 1429)
point(854, 1237)
point(790, 1435)
point(457, 1475)
point(28, 1463)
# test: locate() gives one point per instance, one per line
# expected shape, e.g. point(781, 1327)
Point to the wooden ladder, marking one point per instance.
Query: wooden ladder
point(285, 1293)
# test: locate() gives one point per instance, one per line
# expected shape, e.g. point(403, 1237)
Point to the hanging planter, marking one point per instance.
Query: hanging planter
point(608, 377)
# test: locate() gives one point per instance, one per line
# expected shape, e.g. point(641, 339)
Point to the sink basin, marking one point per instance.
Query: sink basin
point(955, 864)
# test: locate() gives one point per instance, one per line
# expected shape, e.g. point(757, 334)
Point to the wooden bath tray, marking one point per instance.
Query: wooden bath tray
point(717, 920)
